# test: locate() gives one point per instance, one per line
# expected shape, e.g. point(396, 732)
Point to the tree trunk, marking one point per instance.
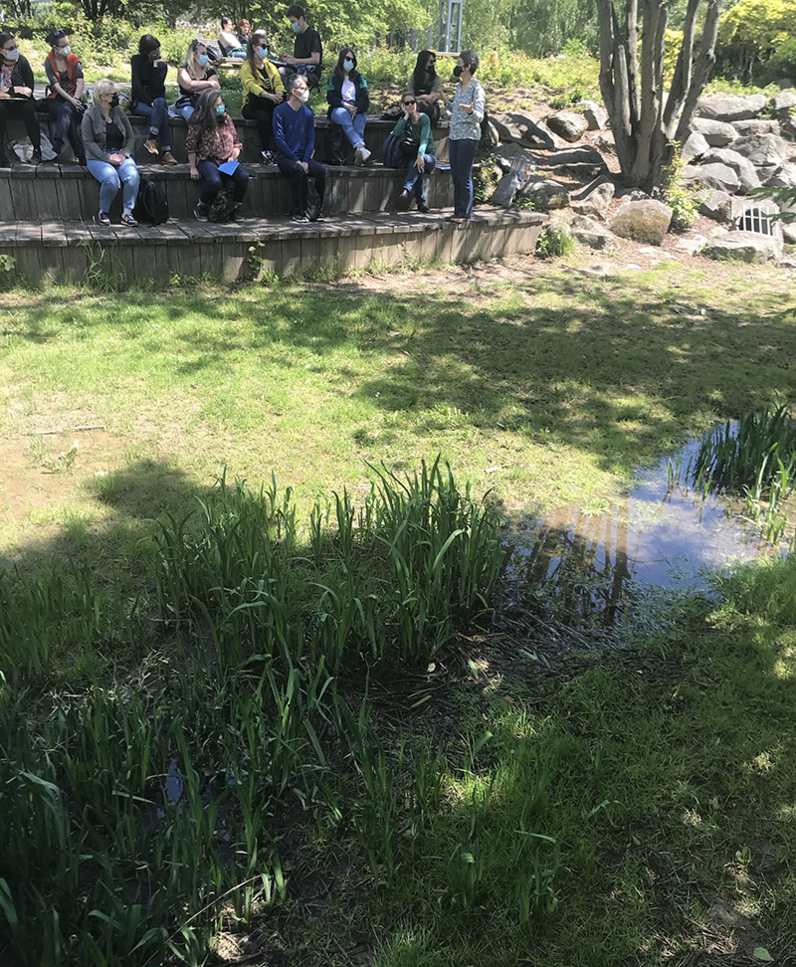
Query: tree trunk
point(645, 129)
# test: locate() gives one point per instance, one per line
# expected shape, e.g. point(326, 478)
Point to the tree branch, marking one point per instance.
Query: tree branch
point(702, 68)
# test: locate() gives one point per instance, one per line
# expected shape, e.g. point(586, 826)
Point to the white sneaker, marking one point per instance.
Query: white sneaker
point(363, 153)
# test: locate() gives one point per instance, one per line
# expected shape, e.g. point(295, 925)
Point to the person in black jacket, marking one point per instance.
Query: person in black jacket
point(149, 95)
point(16, 96)
point(348, 97)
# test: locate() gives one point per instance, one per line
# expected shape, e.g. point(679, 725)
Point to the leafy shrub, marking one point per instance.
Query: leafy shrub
point(555, 241)
point(680, 200)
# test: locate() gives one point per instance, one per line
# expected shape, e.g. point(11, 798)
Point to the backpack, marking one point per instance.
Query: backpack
point(220, 206)
point(152, 206)
point(335, 145)
point(392, 155)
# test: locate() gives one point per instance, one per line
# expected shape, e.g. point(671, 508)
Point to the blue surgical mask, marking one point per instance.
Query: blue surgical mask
point(220, 108)
point(348, 65)
point(295, 27)
point(263, 52)
point(202, 60)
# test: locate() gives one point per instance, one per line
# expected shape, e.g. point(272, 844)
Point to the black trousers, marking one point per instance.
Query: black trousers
point(261, 110)
point(298, 177)
point(67, 124)
point(23, 108)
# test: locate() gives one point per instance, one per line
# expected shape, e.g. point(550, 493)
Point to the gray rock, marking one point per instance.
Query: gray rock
point(592, 234)
point(605, 142)
point(743, 167)
point(718, 205)
point(716, 133)
point(545, 193)
point(789, 129)
point(632, 194)
point(568, 125)
point(782, 104)
point(512, 157)
point(756, 126)
point(519, 128)
point(782, 177)
point(596, 199)
point(718, 176)
point(490, 134)
point(695, 146)
point(762, 149)
point(744, 247)
point(788, 232)
point(764, 172)
point(596, 116)
point(642, 221)
point(731, 108)
point(692, 245)
point(583, 155)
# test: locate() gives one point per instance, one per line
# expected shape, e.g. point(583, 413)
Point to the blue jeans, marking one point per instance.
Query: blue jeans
point(214, 181)
point(112, 178)
point(462, 156)
point(158, 114)
point(354, 128)
point(414, 178)
point(185, 111)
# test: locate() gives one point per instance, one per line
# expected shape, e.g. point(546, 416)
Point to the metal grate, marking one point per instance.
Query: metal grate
point(758, 219)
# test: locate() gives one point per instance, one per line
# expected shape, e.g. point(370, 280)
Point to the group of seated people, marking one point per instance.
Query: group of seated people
point(274, 97)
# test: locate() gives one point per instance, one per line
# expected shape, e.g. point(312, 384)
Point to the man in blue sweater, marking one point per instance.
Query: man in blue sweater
point(294, 132)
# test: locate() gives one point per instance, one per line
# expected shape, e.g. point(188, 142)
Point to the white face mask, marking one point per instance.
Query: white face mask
point(12, 55)
point(65, 51)
point(304, 97)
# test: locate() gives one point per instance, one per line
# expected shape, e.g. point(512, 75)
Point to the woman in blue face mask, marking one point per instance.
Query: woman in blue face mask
point(212, 142)
point(348, 97)
point(194, 76)
point(263, 90)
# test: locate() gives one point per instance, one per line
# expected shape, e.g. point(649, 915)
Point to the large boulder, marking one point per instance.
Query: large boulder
point(545, 193)
point(762, 149)
point(716, 133)
point(596, 116)
point(744, 247)
point(718, 176)
point(783, 177)
point(718, 205)
point(520, 128)
point(695, 146)
point(642, 221)
point(595, 198)
point(583, 155)
point(789, 129)
point(781, 105)
point(756, 126)
point(743, 167)
point(731, 108)
point(568, 125)
point(512, 157)
point(591, 233)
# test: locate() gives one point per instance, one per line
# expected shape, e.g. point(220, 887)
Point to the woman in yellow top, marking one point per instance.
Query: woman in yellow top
point(263, 90)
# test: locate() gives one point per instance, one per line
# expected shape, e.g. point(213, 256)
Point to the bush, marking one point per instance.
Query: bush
point(555, 241)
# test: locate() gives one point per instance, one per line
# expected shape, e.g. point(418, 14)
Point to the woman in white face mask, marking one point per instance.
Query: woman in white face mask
point(66, 85)
point(16, 96)
point(349, 99)
point(263, 90)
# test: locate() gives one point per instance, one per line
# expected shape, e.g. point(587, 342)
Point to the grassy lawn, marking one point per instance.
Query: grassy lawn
point(448, 804)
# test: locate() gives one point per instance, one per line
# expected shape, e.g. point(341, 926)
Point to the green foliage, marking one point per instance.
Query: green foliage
point(680, 200)
point(751, 30)
point(782, 63)
point(485, 176)
point(555, 241)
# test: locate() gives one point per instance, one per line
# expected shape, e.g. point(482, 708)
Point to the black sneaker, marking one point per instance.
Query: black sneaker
point(36, 158)
point(404, 200)
point(4, 162)
point(200, 213)
point(57, 145)
point(104, 219)
point(299, 217)
point(237, 213)
point(422, 207)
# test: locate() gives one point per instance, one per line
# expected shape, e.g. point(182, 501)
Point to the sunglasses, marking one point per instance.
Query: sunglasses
point(407, 103)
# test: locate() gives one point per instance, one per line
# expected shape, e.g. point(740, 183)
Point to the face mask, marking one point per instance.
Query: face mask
point(115, 100)
point(65, 51)
point(348, 65)
point(295, 28)
point(220, 109)
point(304, 97)
point(12, 55)
point(202, 60)
point(263, 52)
point(457, 71)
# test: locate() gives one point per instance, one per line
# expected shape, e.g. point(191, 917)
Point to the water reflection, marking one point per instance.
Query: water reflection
point(590, 565)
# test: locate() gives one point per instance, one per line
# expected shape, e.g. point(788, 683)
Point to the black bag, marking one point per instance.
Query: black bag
point(152, 206)
point(336, 145)
point(392, 155)
point(220, 206)
point(312, 202)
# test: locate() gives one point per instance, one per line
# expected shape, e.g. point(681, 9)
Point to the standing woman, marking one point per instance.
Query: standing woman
point(110, 142)
point(467, 113)
point(348, 97)
point(65, 77)
point(16, 96)
point(426, 85)
point(212, 141)
point(149, 95)
point(194, 77)
point(263, 87)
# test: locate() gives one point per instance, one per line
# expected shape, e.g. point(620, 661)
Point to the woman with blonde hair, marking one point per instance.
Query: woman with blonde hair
point(194, 77)
point(110, 142)
point(263, 89)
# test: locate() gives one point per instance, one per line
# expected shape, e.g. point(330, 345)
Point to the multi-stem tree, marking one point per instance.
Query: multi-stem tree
point(643, 121)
